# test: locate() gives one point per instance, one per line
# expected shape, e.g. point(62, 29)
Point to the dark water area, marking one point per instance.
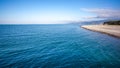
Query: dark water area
point(56, 46)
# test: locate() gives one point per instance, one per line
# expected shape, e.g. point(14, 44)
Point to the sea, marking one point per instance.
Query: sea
point(56, 46)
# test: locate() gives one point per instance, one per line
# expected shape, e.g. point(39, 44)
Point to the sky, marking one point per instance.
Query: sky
point(57, 11)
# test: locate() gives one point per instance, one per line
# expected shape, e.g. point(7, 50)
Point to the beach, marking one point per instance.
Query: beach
point(113, 30)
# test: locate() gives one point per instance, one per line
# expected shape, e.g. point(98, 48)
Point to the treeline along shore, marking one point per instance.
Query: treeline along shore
point(112, 23)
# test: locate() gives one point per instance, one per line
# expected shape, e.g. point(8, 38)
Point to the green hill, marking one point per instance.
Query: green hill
point(112, 22)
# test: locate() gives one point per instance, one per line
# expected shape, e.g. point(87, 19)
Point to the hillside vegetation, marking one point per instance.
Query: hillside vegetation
point(112, 22)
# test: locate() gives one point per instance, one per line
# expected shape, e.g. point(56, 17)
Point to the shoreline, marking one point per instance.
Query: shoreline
point(112, 30)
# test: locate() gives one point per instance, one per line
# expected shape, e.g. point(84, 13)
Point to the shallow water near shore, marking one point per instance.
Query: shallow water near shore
point(56, 46)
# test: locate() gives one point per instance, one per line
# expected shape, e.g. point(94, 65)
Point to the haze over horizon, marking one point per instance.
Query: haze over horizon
point(57, 11)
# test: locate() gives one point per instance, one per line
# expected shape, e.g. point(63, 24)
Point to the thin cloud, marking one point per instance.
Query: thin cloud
point(103, 13)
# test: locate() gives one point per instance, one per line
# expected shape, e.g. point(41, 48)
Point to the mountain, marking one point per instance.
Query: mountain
point(89, 22)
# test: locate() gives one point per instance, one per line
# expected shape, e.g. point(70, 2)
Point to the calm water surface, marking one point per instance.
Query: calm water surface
point(56, 46)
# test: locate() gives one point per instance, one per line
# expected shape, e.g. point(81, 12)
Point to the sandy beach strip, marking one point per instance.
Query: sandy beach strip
point(113, 30)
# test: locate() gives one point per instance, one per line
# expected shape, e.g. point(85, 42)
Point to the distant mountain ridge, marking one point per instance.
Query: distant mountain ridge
point(112, 22)
point(89, 22)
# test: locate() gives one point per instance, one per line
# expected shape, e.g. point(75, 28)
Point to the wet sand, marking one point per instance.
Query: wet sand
point(113, 30)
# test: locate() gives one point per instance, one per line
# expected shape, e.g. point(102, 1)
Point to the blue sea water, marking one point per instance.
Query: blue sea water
point(56, 46)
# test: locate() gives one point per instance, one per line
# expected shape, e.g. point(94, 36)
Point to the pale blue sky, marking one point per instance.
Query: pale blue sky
point(56, 11)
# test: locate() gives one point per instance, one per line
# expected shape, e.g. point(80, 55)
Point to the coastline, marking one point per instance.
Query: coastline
point(112, 30)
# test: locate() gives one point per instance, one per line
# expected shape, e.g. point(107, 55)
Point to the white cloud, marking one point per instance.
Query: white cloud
point(103, 13)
